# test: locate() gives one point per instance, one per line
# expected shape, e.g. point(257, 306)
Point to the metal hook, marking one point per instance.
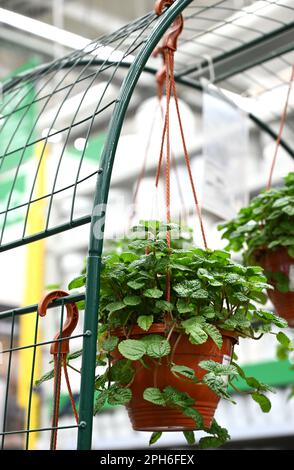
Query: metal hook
point(161, 4)
point(69, 326)
point(171, 37)
point(169, 42)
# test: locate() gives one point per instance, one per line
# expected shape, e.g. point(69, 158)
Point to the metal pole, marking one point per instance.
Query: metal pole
point(96, 243)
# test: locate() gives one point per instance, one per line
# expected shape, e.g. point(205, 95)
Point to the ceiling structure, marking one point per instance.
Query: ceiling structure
point(231, 43)
point(88, 18)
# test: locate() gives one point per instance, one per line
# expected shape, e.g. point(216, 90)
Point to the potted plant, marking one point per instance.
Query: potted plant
point(170, 361)
point(264, 232)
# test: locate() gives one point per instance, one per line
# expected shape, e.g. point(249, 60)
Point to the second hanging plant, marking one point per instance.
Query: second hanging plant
point(264, 232)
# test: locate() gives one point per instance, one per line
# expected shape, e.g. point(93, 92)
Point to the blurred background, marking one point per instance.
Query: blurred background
point(230, 166)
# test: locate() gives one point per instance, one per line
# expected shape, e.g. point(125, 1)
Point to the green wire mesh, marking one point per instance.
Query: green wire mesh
point(15, 428)
point(68, 98)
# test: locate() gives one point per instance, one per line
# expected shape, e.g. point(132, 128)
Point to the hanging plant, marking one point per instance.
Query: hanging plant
point(264, 232)
point(170, 362)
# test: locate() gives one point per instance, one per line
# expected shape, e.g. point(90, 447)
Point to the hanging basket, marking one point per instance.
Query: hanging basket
point(278, 261)
point(146, 416)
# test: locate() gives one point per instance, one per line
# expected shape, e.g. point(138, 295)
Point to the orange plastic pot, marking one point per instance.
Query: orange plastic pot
point(279, 261)
point(146, 416)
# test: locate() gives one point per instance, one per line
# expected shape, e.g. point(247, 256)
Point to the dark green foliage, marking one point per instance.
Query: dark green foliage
point(267, 223)
point(209, 293)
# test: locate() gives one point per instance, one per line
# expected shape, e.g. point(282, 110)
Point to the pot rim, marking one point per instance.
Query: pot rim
point(262, 251)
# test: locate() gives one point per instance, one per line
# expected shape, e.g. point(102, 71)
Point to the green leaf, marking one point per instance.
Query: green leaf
point(184, 306)
point(119, 396)
point(187, 288)
point(283, 339)
point(190, 437)
point(208, 312)
point(74, 355)
point(145, 321)
point(154, 437)
point(263, 401)
point(210, 442)
point(153, 293)
point(238, 297)
point(288, 210)
point(122, 371)
point(281, 281)
point(184, 370)
point(268, 315)
point(132, 349)
point(283, 201)
point(221, 436)
point(136, 285)
point(198, 336)
point(100, 401)
point(291, 251)
point(164, 305)
point(217, 385)
point(195, 330)
point(175, 397)
point(151, 339)
point(154, 395)
point(101, 380)
point(52, 286)
point(128, 257)
point(258, 297)
point(221, 254)
point(110, 343)
point(207, 276)
point(132, 300)
point(158, 349)
point(115, 306)
point(256, 384)
point(219, 369)
point(199, 294)
point(195, 415)
point(221, 432)
point(214, 333)
point(81, 305)
point(282, 353)
point(77, 282)
point(48, 376)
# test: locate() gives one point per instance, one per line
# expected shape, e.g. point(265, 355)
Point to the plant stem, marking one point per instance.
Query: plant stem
point(73, 368)
point(175, 347)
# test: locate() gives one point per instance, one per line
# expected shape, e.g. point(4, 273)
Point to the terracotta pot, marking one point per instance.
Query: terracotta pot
point(276, 261)
point(146, 416)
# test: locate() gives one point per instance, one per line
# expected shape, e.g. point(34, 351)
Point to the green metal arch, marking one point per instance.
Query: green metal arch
point(97, 221)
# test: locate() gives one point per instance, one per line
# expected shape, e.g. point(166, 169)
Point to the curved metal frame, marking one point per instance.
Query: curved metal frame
point(98, 215)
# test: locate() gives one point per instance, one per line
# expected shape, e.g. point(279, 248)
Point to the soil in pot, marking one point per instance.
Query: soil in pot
point(146, 416)
point(279, 261)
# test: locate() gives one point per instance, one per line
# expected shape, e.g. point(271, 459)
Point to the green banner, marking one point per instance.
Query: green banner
point(18, 113)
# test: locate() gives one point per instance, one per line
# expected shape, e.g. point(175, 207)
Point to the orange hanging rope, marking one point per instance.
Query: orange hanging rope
point(187, 158)
point(160, 79)
point(59, 350)
point(167, 74)
point(282, 125)
point(167, 167)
